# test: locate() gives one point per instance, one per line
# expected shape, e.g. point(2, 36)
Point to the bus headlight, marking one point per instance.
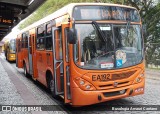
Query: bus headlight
point(84, 85)
point(88, 87)
point(81, 82)
point(122, 91)
point(139, 78)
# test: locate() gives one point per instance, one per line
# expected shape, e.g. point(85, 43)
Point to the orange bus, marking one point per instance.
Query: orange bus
point(86, 53)
point(10, 50)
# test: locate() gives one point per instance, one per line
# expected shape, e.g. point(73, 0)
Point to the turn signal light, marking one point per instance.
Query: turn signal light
point(138, 90)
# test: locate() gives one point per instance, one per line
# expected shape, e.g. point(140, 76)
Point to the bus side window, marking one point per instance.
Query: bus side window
point(48, 37)
point(23, 41)
point(67, 45)
point(30, 45)
point(58, 44)
point(17, 44)
point(20, 44)
point(26, 40)
point(40, 38)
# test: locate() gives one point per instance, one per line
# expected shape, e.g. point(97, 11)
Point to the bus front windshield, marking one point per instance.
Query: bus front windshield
point(108, 46)
point(12, 46)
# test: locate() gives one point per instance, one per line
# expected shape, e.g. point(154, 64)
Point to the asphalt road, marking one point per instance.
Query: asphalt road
point(24, 91)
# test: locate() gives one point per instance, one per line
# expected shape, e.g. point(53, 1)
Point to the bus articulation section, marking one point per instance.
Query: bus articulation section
point(86, 53)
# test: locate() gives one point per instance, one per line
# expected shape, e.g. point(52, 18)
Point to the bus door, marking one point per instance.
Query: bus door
point(19, 62)
point(61, 62)
point(30, 54)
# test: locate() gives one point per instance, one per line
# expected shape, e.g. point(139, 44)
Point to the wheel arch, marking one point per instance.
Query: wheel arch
point(48, 74)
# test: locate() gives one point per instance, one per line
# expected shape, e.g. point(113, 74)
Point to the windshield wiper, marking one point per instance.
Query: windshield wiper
point(99, 31)
point(128, 27)
point(128, 24)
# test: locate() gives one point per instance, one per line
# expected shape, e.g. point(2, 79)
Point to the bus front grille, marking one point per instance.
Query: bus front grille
point(114, 93)
point(110, 86)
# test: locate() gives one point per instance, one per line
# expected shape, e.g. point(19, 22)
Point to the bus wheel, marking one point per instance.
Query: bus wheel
point(25, 71)
point(51, 86)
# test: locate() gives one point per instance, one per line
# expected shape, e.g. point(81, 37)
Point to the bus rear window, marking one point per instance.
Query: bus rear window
point(105, 13)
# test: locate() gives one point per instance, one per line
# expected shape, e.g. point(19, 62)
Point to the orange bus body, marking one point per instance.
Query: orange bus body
point(44, 51)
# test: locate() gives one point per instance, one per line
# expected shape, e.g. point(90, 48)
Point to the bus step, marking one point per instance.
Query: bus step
point(60, 93)
point(62, 96)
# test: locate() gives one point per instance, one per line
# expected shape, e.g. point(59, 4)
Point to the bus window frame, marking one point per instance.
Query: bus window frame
point(26, 39)
point(66, 44)
point(18, 45)
point(48, 36)
point(23, 41)
point(112, 24)
point(38, 38)
point(59, 47)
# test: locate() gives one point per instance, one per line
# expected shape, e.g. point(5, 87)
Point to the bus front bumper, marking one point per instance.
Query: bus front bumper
point(81, 98)
point(11, 57)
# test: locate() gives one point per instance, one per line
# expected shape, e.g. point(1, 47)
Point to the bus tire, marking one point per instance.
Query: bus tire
point(51, 85)
point(25, 70)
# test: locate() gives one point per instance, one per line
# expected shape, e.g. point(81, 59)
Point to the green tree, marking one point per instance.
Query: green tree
point(150, 14)
point(49, 7)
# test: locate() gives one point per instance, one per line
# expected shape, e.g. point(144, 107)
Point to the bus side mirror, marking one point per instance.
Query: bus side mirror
point(72, 36)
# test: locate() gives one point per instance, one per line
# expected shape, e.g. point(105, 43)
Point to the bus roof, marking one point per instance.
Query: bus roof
point(67, 10)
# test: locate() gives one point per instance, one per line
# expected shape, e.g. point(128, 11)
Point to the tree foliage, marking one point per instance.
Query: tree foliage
point(49, 7)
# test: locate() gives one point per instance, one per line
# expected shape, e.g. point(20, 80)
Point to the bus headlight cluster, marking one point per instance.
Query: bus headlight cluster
point(88, 87)
point(84, 85)
point(139, 78)
point(81, 82)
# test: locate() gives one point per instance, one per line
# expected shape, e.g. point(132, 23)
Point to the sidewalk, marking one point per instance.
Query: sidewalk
point(8, 92)
point(13, 91)
point(153, 74)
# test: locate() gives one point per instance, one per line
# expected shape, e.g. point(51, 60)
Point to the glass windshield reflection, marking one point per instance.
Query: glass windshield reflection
point(122, 50)
point(12, 46)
